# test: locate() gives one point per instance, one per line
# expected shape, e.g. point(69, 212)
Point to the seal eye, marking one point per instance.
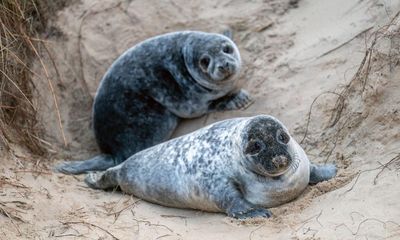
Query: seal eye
point(283, 137)
point(254, 147)
point(204, 62)
point(227, 49)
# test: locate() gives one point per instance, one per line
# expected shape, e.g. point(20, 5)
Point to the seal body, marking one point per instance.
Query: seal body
point(153, 85)
point(239, 166)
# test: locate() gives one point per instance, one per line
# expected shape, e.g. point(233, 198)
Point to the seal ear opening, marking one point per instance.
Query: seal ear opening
point(254, 147)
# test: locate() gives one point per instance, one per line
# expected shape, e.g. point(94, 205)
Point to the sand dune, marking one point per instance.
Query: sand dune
point(309, 63)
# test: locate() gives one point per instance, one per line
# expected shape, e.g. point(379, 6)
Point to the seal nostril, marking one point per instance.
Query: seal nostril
point(228, 67)
point(284, 162)
point(280, 161)
point(223, 69)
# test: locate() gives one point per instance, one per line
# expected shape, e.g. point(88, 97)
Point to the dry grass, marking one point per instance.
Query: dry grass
point(358, 83)
point(20, 23)
point(355, 100)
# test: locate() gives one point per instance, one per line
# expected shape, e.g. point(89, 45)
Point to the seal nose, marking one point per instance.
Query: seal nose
point(225, 68)
point(280, 162)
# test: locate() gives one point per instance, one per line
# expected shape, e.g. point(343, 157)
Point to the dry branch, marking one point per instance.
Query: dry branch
point(18, 123)
point(91, 225)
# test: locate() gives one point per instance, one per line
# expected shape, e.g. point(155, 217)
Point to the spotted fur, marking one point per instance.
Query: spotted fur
point(212, 170)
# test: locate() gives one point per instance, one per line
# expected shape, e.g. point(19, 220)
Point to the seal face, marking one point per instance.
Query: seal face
point(239, 166)
point(216, 65)
point(153, 85)
point(266, 147)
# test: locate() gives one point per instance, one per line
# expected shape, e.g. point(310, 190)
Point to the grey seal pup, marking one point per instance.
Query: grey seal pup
point(153, 85)
point(240, 166)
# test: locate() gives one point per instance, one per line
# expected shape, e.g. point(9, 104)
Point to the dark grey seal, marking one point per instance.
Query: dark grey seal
point(153, 85)
point(238, 166)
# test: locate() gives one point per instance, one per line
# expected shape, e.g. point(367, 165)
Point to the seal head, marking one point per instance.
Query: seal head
point(266, 147)
point(213, 61)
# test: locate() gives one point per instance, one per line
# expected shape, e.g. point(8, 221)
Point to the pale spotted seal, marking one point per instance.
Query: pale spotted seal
point(150, 87)
point(238, 166)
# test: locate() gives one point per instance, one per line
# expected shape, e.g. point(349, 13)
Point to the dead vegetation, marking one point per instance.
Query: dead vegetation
point(359, 98)
point(20, 25)
point(382, 51)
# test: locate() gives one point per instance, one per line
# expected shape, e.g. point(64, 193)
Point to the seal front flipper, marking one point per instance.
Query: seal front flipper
point(236, 206)
point(98, 163)
point(239, 100)
point(319, 173)
point(255, 212)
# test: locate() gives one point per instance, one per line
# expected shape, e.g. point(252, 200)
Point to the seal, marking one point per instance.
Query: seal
point(239, 166)
point(153, 85)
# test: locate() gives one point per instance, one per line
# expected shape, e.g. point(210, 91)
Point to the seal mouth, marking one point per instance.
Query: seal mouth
point(292, 167)
point(213, 85)
point(261, 171)
point(225, 73)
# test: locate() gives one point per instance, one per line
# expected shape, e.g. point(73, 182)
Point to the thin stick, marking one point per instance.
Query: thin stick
point(52, 91)
point(53, 62)
point(15, 85)
point(118, 213)
point(93, 225)
point(384, 166)
point(3, 211)
point(346, 42)
point(309, 112)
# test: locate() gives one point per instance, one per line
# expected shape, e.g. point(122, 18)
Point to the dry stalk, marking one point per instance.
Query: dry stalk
point(343, 115)
point(20, 22)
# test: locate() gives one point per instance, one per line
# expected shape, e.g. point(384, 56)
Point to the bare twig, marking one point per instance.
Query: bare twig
point(254, 230)
point(19, 89)
point(118, 213)
point(386, 165)
point(309, 112)
point(53, 63)
point(91, 225)
point(52, 91)
point(12, 218)
point(346, 42)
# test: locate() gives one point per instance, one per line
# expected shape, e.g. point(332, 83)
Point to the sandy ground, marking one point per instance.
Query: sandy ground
point(294, 58)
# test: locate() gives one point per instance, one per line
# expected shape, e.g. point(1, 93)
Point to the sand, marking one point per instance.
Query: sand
point(295, 55)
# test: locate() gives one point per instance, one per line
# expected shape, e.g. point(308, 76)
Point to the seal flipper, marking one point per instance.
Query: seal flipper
point(234, 101)
point(319, 173)
point(235, 205)
point(102, 180)
point(98, 163)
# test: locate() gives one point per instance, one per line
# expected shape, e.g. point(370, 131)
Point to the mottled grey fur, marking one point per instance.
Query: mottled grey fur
point(239, 166)
point(153, 85)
